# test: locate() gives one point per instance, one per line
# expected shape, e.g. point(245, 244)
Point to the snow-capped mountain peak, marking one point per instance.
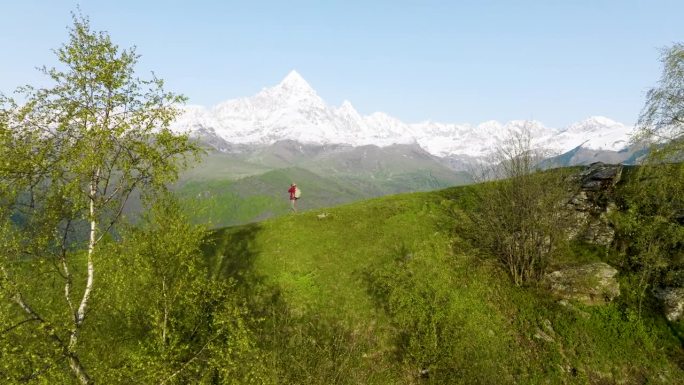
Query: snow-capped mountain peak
point(593, 123)
point(347, 106)
point(596, 132)
point(293, 110)
point(294, 80)
point(293, 77)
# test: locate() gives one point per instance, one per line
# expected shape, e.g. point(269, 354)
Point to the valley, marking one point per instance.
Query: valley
point(244, 187)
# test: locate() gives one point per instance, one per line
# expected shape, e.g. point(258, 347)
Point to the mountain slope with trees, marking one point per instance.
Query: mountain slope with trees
point(540, 276)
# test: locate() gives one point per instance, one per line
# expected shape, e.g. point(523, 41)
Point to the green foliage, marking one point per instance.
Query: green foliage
point(441, 323)
point(649, 228)
point(652, 219)
point(650, 223)
point(661, 122)
point(158, 316)
point(183, 326)
point(521, 219)
point(313, 349)
point(72, 155)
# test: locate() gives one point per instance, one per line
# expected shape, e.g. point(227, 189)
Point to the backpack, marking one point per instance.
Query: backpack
point(298, 193)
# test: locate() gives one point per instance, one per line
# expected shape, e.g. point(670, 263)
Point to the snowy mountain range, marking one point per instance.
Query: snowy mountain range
point(292, 110)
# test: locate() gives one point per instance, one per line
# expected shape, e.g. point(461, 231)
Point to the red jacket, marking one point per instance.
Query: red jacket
point(292, 192)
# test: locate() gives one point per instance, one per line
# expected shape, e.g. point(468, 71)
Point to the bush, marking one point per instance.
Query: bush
point(521, 218)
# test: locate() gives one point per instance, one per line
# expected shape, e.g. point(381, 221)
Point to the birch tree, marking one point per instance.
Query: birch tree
point(661, 121)
point(72, 154)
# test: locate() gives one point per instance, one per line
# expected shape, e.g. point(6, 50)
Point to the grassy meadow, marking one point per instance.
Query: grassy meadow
point(377, 291)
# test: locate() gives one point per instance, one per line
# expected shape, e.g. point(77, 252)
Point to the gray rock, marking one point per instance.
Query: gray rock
point(602, 172)
point(673, 302)
point(592, 185)
point(590, 204)
point(590, 284)
point(605, 172)
point(580, 200)
point(570, 306)
point(600, 176)
point(540, 335)
point(598, 231)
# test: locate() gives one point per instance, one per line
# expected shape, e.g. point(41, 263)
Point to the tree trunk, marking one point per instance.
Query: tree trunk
point(74, 363)
point(166, 312)
point(79, 371)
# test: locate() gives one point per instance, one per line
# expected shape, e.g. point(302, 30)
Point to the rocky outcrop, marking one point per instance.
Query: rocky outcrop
point(673, 302)
point(600, 177)
point(591, 284)
point(591, 203)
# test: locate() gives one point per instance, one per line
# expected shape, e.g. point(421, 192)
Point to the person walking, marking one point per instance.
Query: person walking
point(294, 195)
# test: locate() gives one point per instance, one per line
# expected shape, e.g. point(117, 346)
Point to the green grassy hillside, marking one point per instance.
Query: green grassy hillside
point(228, 201)
point(223, 202)
point(376, 291)
point(251, 184)
point(221, 166)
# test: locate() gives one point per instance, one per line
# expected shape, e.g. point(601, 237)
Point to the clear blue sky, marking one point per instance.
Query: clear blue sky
point(452, 61)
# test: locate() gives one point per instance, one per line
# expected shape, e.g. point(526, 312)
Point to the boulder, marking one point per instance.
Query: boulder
point(590, 284)
point(605, 174)
point(590, 204)
point(673, 302)
point(602, 171)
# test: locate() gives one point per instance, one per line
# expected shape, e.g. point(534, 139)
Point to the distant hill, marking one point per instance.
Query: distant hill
point(251, 184)
point(582, 156)
point(223, 202)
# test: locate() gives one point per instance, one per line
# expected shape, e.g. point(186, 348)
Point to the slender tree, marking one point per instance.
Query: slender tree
point(72, 156)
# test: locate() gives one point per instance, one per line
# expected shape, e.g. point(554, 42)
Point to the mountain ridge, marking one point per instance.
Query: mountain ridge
point(292, 110)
